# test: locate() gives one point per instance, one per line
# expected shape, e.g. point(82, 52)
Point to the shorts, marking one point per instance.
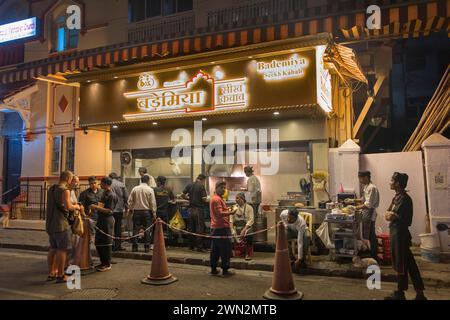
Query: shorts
point(60, 240)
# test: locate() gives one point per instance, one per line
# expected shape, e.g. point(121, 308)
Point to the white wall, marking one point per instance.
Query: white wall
point(382, 166)
point(34, 162)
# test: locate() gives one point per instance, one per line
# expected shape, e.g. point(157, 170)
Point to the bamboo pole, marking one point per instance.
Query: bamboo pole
point(435, 115)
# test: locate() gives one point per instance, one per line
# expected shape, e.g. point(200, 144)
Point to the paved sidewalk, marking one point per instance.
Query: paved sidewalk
point(434, 274)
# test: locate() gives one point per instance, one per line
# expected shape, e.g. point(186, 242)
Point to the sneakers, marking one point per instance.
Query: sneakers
point(228, 273)
point(103, 268)
point(420, 296)
point(214, 272)
point(396, 295)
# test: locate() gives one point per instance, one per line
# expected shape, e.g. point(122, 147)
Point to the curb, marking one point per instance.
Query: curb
point(351, 274)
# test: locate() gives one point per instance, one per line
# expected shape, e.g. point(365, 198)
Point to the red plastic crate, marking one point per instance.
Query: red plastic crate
point(384, 249)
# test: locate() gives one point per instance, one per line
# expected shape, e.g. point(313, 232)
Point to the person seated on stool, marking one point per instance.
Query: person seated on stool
point(295, 228)
point(242, 223)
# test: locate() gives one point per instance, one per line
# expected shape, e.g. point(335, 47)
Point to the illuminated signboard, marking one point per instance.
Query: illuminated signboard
point(283, 69)
point(202, 92)
point(278, 80)
point(323, 82)
point(18, 30)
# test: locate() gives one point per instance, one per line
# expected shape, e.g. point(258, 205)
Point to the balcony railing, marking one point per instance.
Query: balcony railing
point(255, 10)
point(161, 28)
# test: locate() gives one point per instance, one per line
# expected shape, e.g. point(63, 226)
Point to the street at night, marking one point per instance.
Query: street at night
point(23, 278)
point(248, 154)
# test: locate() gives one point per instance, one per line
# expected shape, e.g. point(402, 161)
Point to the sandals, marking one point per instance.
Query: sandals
point(51, 278)
point(61, 279)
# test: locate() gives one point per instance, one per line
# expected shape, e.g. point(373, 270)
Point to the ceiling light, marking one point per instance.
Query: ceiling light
point(115, 127)
point(276, 113)
point(154, 123)
point(204, 119)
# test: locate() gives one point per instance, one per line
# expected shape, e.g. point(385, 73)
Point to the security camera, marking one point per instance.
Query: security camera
point(85, 130)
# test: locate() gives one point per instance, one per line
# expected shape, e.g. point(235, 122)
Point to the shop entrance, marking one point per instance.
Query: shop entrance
point(12, 154)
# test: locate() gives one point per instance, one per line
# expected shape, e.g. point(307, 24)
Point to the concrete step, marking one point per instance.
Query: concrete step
point(26, 224)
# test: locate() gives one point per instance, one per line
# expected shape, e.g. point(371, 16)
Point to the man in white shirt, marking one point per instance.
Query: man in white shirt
point(254, 187)
point(143, 172)
point(295, 227)
point(370, 202)
point(142, 203)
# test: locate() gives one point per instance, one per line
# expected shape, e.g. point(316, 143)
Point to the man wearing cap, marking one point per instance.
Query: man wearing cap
point(370, 202)
point(400, 215)
point(220, 227)
point(254, 187)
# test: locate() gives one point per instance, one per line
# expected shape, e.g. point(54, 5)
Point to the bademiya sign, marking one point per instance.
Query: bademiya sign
point(263, 83)
point(18, 30)
point(200, 93)
point(283, 69)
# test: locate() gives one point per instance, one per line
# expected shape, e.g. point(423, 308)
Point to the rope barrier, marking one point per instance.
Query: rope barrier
point(124, 238)
point(183, 231)
point(216, 237)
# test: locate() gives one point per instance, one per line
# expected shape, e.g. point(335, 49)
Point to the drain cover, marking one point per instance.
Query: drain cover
point(91, 294)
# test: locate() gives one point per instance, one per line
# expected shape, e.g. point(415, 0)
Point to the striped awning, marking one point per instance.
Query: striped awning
point(411, 29)
point(412, 18)
point(342, 60)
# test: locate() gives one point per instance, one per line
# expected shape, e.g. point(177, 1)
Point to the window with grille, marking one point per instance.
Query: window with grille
point(56, 155)
point(70, 153)
point(143, 9)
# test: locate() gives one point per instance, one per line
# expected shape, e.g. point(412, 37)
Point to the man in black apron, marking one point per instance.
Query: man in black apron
point(400, 214)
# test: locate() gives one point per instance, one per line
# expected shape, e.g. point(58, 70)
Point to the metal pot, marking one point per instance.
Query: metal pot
point(260, 224)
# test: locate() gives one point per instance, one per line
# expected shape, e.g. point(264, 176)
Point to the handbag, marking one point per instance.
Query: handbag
point(77, 226)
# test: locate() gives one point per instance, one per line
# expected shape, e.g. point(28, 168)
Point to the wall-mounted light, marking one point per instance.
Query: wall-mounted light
point(219, 74)
point(88, 81)
point(115, 77)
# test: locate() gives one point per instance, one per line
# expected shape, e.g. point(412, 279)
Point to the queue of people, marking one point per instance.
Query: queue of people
point(105, 208)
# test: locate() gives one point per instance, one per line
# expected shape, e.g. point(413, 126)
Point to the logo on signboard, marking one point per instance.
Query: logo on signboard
point(200, 93)
point(146, 81)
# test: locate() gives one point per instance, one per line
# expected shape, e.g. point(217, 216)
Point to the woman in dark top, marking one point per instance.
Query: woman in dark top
point(105, 222)
point(400, 214)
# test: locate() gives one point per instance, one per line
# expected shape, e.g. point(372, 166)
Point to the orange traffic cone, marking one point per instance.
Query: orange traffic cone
point(283, 287)
point(159, 274)
point(82, 250)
